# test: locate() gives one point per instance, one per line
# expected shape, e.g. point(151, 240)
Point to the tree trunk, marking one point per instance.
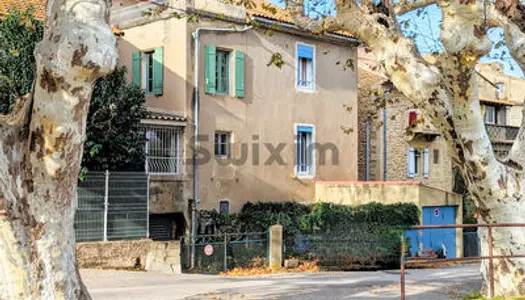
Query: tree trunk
point(41, 150)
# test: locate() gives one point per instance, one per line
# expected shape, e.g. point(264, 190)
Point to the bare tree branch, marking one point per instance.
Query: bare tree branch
point(321, 25)
point(404, 6)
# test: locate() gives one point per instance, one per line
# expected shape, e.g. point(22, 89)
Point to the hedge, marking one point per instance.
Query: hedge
point(337, 235)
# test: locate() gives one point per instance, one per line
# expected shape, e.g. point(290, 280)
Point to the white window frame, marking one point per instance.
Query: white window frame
point(145, 70)
point(493, 110)
point(230, 142)
point(224, 200)
point(174, 162)
point(310, 89)
point(500, 90)
point(310, 174)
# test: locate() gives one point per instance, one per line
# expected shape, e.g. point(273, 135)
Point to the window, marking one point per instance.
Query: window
point(217, 69)
point(304, 150)
point(490, 115)
point(436, 156)
point(223, 72)
point(305, 67)
point(147, 70)
point(163, 149)
point(418, 161)
point(224, 206)
point(222, 144)
point(500, 90)
point(412, 117)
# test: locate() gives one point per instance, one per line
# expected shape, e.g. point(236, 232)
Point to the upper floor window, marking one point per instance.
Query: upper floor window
point(500, 90)
point(222, 144)
point(490, 115)
point(305, 67)
point(412, 117)
point(163, 149)
point(418, 161)
point(147, 70)
point(304, 150)
point(217, 71)
point(222, 79)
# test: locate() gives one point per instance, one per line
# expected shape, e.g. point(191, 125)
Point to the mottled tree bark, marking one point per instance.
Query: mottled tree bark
point(447, 92)
point(41, 150)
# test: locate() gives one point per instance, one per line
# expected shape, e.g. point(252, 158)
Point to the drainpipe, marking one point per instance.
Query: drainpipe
point(385, 152)
point(196, 106)
point(367, 151)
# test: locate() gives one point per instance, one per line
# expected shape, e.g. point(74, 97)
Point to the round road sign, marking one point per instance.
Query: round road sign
point(208, 250)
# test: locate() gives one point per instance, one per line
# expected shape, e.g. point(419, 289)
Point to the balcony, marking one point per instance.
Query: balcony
point(502, 133)
point(421, 131)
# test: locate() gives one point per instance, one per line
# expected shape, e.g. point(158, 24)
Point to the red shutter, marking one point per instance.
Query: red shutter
point(412, 116)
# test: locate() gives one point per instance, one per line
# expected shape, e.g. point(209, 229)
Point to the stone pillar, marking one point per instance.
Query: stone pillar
point(276, 246)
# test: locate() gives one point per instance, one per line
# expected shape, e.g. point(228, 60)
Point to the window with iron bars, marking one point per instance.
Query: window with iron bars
point(163, 149)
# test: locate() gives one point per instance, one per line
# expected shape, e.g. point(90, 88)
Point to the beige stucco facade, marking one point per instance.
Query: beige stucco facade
point(358, 193)
point(264, 118)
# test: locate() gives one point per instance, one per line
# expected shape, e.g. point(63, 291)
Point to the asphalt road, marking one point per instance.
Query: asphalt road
point(425, 284)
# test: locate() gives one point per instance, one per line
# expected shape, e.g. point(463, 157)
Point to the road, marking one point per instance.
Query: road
point(427, 284)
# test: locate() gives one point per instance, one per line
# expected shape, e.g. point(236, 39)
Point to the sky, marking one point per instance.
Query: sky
point(423, 26)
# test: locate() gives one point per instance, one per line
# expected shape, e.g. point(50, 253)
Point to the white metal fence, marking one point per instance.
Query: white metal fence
point(112, 206)
point(163, 149)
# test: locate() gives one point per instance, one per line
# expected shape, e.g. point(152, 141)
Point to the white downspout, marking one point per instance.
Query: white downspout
point(196, 106)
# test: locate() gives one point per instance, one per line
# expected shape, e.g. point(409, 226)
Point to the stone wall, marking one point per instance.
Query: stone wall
point(142, 254)
point(167, 194)
point(118, 254)
point(397, 140)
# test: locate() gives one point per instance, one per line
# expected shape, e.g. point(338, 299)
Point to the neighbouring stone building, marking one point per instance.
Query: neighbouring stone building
point(501, 97)
point(399, 145)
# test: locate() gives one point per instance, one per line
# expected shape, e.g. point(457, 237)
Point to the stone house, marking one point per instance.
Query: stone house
point(501, 98)
point(400, 145)
point(266, 131)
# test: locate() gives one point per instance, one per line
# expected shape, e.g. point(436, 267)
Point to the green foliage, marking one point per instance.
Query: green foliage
point(366, 236)
point(115, 136)
point(19, 32)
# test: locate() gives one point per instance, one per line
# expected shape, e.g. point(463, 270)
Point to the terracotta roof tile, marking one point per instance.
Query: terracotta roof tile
point(165, 116)
point(267, 10)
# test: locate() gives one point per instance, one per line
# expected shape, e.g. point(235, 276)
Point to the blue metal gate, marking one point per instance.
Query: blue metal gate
point(435, 239)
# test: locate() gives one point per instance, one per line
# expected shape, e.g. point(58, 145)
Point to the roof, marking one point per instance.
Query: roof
point(39, 9)
point(153, 115)
point(38, 6)
point(497, 101)
point(267, 10)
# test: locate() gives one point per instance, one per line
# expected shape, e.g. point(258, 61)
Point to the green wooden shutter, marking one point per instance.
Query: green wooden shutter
point(158, 71)
point(239, 74)
point(209, 70)
point(135, 68)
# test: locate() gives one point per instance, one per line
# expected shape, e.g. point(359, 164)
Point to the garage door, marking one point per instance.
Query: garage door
point(436, 238)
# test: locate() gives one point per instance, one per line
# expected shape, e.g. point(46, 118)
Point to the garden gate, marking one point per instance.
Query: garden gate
point(221, 252)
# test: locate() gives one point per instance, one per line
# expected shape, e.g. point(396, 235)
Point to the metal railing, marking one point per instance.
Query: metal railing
point(499, 133)
point(163, 149)
point(112, 206)
point(411, 260)
point(217, 253)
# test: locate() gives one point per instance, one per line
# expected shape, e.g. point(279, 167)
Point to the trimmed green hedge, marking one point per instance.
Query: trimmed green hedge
point(337, 235)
